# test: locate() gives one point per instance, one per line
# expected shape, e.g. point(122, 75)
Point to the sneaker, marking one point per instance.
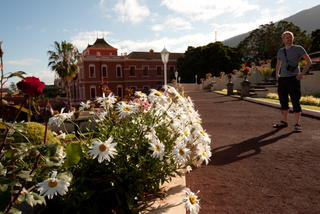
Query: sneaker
point(297, 128)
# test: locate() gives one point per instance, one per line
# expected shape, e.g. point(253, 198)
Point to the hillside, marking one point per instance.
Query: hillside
point(307, 20)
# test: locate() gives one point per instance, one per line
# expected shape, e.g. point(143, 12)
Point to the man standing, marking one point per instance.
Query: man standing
point(289, 78)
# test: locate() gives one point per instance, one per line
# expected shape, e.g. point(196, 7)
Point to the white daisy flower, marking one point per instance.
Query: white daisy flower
point(106, 102)
point(52, 186)
point(181, 152)
point(204, 153)
point(158, 148)
point(157, 97)
point(126, 109)
point(61, 155)
point(105, 150)
point(62, 136)
point(140, 94)
point(191, 201)
point(59, 118)
point(84, 106)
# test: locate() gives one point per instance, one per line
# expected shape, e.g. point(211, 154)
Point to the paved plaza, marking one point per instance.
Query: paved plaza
point(254, 167)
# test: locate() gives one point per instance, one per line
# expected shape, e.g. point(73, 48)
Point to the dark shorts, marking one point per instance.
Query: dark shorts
point(289, 86)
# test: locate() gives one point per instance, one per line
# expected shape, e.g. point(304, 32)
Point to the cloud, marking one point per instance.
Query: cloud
point(173, 24)
point(131, 11)
point(23, 62)
point(82, 40)
point(207, 10)
point(45, 76)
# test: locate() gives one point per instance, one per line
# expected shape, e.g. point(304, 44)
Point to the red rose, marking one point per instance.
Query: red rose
point(31, 86)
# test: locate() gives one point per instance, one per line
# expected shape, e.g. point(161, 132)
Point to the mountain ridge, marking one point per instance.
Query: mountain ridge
point(307, 20)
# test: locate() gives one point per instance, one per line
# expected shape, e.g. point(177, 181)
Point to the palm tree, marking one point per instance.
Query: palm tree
point(63, 60)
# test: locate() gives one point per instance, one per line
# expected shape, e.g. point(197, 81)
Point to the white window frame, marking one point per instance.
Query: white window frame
point(146, 86)
point(145, 66)
point(135, 70)
point(117, 71)
point(95, 91)
point(161, 71)
point(104, 66)
point(94, 71)
point(119, 86)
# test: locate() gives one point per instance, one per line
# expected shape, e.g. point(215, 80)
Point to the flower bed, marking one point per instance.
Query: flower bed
point(142, 143)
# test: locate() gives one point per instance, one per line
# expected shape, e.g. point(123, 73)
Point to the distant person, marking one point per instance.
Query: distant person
point(288, 75)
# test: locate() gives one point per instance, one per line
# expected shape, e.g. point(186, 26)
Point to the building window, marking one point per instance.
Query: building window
point(159, 85)
point(132, 71)
point(92, 72)
point(159, 71)
point(133, 89)
point(171, 69)
point(145, 71)
point(92, 92)
point(119, 90)
point(104, 71)
point(146, 89)
point(119, 72)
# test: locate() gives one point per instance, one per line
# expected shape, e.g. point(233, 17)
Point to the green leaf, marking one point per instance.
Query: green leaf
point(67, 176)
point(48, 149)
point(34, 198)
point(25, 175)
point(73, 154)
point(11, 153)
point(3, 171)
point(17, 74)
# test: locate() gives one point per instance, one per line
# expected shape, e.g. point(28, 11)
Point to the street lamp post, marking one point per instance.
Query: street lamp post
point(176, 74)
point(165, 58)
point(196, 78)
point(179, 81)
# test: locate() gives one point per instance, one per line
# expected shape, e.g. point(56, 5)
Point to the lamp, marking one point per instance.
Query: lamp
point(179, 81)
point(196, 78)
point(176, 74)
point(165, 58)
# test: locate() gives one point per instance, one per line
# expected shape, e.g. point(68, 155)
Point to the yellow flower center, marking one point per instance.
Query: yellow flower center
point(53, 183)
point(203, 154)
point(126, 108)
point(59, 115)
point(102, 147)
point(140, 93)
point(158, 148)
point(181, 151)
point(202, 133)
point(190, 111)
point(185, 133)
point(107, 103)
point(192, 199)
point(198, 122)
point(158, 94)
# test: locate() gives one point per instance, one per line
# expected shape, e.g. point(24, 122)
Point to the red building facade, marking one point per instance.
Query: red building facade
point(101, 67)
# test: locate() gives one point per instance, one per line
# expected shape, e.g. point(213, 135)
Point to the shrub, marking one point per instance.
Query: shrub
point(35, 134)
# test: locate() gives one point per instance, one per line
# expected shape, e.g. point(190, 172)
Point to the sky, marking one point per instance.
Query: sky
point(28, 29)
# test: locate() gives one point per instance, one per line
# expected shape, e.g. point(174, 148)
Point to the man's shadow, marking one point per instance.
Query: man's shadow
point(231, 153)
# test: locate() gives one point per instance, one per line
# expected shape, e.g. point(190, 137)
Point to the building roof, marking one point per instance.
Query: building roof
point(100, 43)
point(157, 55)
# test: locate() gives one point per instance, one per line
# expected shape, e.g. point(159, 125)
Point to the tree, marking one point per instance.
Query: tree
point(315, 41)
point(212, 58)
point(13, 86)
point(63, 60)
point(264, 42)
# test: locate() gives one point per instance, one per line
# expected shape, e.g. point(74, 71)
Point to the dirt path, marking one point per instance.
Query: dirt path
point(255, 168)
